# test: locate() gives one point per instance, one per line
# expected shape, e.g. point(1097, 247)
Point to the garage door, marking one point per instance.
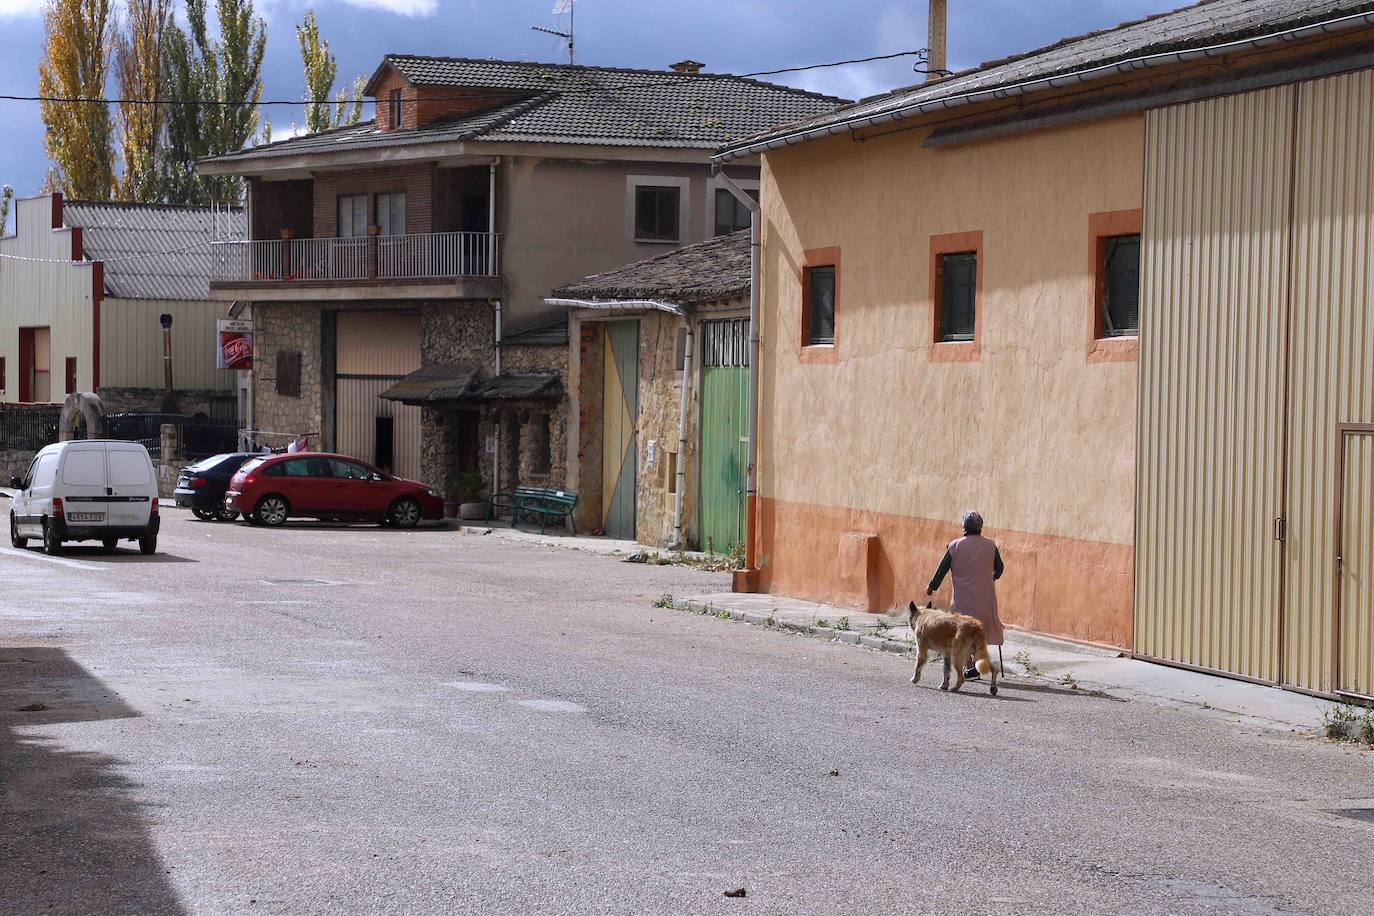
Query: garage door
point(376, 350)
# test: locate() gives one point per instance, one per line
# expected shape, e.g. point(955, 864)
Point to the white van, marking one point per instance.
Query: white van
point(87, 490)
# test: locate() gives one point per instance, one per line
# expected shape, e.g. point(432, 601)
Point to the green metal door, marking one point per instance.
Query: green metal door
point(620, 416)
point(724, 412)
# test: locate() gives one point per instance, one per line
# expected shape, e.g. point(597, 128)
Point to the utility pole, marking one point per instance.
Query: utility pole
point(936, 59)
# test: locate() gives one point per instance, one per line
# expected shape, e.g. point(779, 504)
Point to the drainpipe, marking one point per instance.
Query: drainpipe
point(752, 451)
point(496, 455)
point(491, 219)
point(680, 484)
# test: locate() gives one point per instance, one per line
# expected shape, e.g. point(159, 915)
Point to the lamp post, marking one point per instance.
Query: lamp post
point(168, 401)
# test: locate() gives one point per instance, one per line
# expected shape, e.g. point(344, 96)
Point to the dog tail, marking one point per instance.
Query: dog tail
point(984, 662)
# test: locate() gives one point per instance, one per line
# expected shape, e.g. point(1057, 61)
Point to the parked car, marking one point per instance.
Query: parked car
point(86, 490)
point(201, 486)
point(270, 489)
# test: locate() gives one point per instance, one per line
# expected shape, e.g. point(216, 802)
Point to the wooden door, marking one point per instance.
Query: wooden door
point(620, 415)
point(724, 419)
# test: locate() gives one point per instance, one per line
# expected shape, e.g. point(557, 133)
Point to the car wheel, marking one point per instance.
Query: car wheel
point(15, 539)
point(272, 510)
point(148, 544)
point(204, 515)
point(404, 513)
point(224, 513)
point(109, 543)
point(52, 545)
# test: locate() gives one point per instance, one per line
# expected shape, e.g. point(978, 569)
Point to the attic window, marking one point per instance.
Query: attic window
point(395, 109)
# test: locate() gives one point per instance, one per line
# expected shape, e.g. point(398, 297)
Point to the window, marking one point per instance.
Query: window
point(657, 210)
point(2, 373)
point(820, 305)
point(129, 468)
point(289, 373)
point(391, 213)
point(1120, 286)
point(958, 293)
point(71, 374)
point(84, 467)
point(352, 215)
point(348, 470)
point(731, 213)
point(395, 109)
point(296, 467)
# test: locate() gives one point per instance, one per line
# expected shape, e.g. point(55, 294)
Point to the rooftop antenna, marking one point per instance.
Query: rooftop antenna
point(559, 8)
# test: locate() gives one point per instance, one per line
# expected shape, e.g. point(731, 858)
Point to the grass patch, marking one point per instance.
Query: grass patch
point(665, 601)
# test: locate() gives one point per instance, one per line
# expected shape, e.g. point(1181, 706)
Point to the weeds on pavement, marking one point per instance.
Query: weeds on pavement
point(665, 601)
point(1023, 659)
point(682, 558)
point(843, 624)
point(1348, 722)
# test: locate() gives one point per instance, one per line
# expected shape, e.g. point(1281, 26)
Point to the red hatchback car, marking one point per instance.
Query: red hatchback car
point(273, 488)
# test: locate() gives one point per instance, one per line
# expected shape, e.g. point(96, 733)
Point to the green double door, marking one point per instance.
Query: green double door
point(724, 432)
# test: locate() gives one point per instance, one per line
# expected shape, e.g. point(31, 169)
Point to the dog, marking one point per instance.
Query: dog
point(958, 637)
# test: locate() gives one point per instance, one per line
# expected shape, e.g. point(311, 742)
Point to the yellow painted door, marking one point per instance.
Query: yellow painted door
point(1355, 563)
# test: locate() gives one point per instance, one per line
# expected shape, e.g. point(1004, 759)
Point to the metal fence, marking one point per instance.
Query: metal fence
point(393, 257)
point(28, 427)
point(195, 439)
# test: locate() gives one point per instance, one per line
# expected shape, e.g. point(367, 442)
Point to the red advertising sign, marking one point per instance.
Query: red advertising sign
point(235, 344)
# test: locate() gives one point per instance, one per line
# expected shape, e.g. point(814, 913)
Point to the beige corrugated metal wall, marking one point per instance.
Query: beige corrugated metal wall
point(1214, 288)
point(1332, 350)
point(131, 344)
point(374, 351)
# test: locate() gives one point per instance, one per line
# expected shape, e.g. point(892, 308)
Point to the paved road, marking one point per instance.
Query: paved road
point(349, 719)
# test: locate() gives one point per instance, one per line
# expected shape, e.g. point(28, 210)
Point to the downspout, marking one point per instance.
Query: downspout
point(680, 484)
point(751, 490)
point(496, 453)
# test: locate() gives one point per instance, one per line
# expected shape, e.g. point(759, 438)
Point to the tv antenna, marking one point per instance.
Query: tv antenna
point(559, 8)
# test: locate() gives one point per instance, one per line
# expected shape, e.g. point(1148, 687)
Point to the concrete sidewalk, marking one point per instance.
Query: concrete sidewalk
point(597, 544)
point(1042, 660)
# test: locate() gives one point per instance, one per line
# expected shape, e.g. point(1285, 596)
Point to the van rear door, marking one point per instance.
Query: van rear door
point(131, 484)
point(81, 484)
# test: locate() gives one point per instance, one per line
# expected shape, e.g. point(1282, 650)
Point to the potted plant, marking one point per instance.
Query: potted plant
point(471, 506)
point(453, 499)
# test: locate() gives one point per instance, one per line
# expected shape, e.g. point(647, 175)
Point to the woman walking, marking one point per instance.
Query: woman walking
point(976, 565)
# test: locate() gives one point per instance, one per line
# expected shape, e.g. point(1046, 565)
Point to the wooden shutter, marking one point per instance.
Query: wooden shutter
point(289, 373)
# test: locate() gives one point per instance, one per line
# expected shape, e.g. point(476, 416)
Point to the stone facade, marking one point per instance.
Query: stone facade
point(214, 405)
point(279, 327)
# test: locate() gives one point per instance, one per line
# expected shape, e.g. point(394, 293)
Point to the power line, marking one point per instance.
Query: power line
point(685, 77)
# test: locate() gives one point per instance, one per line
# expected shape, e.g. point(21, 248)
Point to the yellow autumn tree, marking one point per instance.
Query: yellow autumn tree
point(75, 63)
point(138, 68)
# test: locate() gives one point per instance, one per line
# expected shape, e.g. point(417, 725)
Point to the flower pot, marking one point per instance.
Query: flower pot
point(474, 512)
point(451, 508)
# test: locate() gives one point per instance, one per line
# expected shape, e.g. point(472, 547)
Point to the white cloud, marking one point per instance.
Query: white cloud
point(400, 7)
point(19, 8)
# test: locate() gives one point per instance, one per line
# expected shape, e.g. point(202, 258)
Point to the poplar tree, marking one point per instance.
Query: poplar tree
point(75, 64)
point(6, 195)
point(138, 66)
point(321, 68)
point(216, 87)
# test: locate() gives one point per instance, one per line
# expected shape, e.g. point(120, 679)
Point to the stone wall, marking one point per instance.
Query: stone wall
point(278, 327)
point(659, 408)
point(213, 404)
point(13, 463)
point(591, 370)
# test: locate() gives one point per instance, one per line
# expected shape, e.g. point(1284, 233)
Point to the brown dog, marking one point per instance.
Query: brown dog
point(956, 636)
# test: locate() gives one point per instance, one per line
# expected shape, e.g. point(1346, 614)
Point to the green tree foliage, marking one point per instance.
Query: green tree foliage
point(138, 67)
point(75, 64)
point(216, 85)
point(6, 195)
point(321, 68)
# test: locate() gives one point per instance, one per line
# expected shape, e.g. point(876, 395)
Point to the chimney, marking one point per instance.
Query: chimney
point(936, 59)
point(687, 66)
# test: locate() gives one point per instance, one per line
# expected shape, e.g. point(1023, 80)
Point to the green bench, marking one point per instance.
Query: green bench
point(543, 503)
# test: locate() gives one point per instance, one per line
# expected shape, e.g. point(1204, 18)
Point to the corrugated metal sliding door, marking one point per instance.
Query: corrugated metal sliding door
point(374, 351)
point(1355, 566)
point(620, 414)
point(724, 409)
point(1212, 370)
point(1332, 352)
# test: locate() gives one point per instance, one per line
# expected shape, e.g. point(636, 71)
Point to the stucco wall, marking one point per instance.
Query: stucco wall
point(884, 437)
point(566, 219)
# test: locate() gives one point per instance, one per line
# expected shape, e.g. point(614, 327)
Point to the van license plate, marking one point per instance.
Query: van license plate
point(87, 516)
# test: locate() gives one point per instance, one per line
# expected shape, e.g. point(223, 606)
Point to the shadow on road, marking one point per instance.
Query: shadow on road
point(72, 835)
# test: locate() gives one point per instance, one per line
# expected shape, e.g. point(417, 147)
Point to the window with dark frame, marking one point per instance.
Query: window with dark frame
point(820, 305)
point(3, 377)
point(391, 213)
point(731, 213)
point(1120, 289)
point(395, 109)
point(71, 374)
point(352, 215)
point(958, 288)
point(657, 209)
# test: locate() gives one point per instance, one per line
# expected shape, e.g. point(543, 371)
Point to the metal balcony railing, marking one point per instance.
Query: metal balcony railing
point(432, 255)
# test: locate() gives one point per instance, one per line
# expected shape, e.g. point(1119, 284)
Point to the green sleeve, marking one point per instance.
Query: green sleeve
point(998, 567)
point(943, 571)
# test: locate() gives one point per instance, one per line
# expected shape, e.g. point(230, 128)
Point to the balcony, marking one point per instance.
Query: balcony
point(427, 265)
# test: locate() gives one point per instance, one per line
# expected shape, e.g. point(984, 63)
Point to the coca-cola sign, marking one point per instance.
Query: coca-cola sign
point(235, 344)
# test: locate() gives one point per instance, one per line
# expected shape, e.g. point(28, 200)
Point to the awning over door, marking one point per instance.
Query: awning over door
point(459, 384)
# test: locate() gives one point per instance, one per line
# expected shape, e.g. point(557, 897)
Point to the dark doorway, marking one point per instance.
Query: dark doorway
point(385, 444)
point(469, 445)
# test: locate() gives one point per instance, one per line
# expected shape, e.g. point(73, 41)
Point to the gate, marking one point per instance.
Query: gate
point(375, 350)
point(620, 415)
point(724, 413)
point(1355, 563)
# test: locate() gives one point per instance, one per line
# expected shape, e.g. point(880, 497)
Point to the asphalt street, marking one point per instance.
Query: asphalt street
point(327, 719)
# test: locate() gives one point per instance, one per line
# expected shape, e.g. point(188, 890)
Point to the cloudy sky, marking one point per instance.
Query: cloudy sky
point(728, 35)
